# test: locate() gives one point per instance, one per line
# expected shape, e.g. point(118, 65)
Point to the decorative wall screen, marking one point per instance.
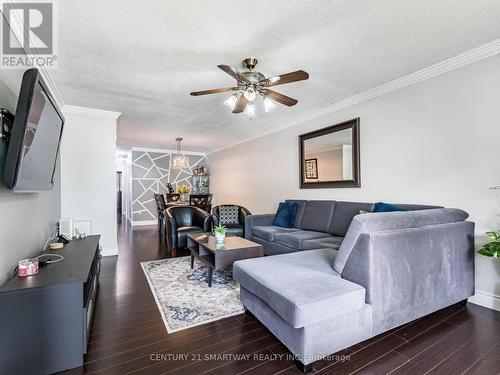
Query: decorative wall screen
point(150, 174)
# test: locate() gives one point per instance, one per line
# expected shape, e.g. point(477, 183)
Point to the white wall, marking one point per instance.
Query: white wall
point(26, 220)
point(436, 142)
point(88, 171)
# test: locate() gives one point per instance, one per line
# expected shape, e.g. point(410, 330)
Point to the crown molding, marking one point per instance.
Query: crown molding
point(166, 151)
point(93, 112)
point(17, 26)
point(470, 57)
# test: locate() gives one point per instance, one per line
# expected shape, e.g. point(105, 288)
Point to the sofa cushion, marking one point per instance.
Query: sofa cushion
point(317, 215)
point(343, 214)
point(267, 232)
point(300, 210)
point(323, 243)
point(285, 216)
point(295, 239)
point(386, 207)
point(300, 287)
point(374, 222)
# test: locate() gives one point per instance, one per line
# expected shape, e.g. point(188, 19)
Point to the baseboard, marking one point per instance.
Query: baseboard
point(143, 223)
point(484, 299)
point(108, 251)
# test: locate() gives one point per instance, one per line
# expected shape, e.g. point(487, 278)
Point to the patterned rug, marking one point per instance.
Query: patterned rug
point(183, 296)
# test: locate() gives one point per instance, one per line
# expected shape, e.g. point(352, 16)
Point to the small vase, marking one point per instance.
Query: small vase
point(185, 198)
point(219, 237)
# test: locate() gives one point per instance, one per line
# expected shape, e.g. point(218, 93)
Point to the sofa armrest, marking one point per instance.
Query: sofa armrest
point(257, 220)
point(385, 221)
point(411, 272)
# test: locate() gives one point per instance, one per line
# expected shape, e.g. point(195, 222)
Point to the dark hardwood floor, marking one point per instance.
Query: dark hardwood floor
point(128, 335)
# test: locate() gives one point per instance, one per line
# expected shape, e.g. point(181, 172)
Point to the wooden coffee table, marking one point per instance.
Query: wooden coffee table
point(219, 257)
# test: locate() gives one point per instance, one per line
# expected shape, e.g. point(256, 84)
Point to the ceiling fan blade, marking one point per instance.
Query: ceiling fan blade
point(280, 98)
point(233, 72)
point(214, 91)
point(240, 104)
point(298, 75)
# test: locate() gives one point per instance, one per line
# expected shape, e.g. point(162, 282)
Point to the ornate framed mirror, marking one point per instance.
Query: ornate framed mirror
point(329, 157)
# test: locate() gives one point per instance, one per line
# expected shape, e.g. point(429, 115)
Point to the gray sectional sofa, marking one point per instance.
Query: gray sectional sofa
point(341, 277)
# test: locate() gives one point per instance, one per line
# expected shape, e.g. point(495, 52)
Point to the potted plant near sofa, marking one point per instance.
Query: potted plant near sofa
point(491, 249)
point(220, 233)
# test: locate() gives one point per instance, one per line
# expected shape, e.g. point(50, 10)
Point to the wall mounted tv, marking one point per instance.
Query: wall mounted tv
point(35, 137)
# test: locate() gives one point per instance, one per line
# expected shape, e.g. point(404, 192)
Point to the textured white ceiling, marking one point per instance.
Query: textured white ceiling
point(143, 58)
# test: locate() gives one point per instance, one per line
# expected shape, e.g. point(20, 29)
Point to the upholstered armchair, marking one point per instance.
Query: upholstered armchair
point(183, 220)
point(232, 219)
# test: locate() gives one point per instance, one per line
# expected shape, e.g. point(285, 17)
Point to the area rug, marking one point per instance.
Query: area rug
point(183, 296)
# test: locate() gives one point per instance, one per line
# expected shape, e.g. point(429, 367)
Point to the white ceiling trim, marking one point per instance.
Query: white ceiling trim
point(93, 112)
point(166, 151)
point(17, 27)
point(470, 57)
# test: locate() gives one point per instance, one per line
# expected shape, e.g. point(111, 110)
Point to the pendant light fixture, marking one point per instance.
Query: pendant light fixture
point(179, 160)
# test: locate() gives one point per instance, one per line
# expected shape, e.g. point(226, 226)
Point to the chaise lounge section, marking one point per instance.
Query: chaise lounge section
point(386, 269)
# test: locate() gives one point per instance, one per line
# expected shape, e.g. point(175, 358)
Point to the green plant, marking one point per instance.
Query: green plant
point(491, 249)
point(221, 229)
point(183, 189)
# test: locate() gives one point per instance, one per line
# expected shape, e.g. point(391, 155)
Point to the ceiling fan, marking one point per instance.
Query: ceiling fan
point(250, 83)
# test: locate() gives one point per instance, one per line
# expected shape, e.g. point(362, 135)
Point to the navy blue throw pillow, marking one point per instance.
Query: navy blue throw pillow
point(285, 216)
point(386, 207)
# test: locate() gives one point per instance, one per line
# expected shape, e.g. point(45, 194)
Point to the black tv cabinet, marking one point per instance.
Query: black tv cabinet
point(45, 318)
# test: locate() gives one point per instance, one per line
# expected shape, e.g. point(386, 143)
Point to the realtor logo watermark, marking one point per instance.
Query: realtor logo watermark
point(28, 35)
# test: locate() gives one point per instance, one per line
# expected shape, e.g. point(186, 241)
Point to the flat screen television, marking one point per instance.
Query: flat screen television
point(35, 137)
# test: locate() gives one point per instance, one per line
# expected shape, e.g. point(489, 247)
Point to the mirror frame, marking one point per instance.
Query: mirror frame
point(356, 173)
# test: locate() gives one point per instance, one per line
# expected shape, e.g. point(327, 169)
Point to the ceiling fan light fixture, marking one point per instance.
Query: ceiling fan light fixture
point(250, 94)
point(231, 101)
point(250, 110)
point(251, 83)
point(268, 104)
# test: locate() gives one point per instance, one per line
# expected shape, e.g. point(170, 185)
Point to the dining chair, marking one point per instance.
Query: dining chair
point(160, 207)
point(173, 197)
point(203, 201)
